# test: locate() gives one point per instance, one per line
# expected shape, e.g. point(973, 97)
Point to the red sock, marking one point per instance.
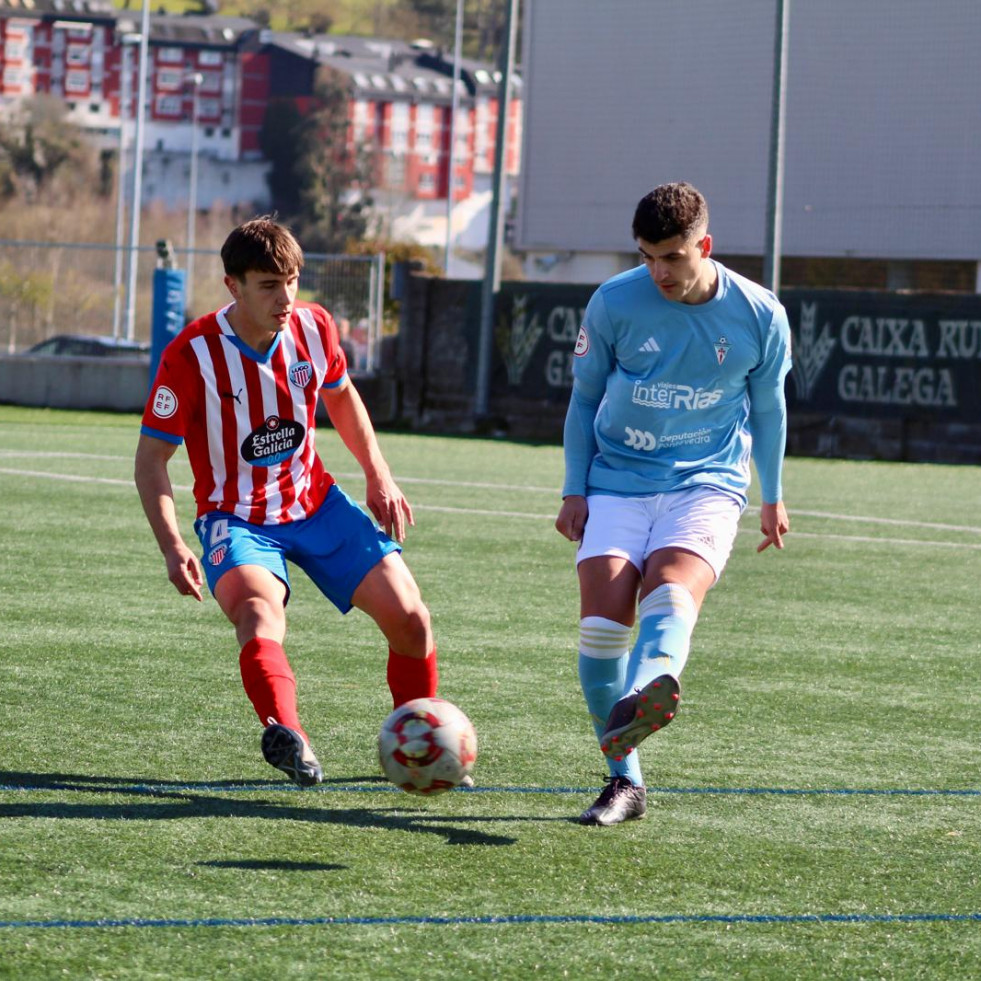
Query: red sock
point(269, 683)
point(411, 677)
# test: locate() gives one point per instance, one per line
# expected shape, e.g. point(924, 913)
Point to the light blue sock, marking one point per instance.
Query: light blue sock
point(603, 655)
point(667, 619)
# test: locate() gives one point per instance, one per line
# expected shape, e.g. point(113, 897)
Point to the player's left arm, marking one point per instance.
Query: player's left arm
point(350, 418)
point(768, 427)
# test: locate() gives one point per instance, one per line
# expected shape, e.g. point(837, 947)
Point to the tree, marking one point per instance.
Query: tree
point(335, 173)
point(483, 24)
point(320, 181)
point(278, 141)
point(42, 158)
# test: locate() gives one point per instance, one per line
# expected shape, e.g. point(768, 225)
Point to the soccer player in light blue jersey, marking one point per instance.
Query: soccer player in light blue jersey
point(678, 382)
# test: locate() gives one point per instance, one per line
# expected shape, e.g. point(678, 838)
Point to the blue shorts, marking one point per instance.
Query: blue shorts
point(336, 547)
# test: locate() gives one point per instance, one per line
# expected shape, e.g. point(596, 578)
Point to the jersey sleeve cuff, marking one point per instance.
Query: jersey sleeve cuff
point(160, 434)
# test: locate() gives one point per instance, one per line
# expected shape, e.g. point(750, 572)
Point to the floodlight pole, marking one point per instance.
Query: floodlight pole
point(454, 106)
point(125, 97)
point(774, 203)
point(495, 234)
point(195, 79)
point(136, 196)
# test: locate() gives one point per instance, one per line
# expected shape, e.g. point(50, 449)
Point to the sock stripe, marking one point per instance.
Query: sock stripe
point(669, 598)
point(602, 638)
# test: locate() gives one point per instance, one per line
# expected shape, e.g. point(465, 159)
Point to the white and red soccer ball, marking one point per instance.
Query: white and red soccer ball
point(427, 746)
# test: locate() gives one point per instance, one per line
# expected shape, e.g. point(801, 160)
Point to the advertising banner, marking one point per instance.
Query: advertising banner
point(886, 355)
point(856, 353)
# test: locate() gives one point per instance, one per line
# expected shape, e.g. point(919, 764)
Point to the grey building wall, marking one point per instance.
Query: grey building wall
point(883, 135)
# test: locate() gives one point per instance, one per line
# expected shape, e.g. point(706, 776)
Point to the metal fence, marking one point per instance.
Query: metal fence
point(49, 288)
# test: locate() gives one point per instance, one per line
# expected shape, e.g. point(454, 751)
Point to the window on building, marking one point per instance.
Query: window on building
point(16, 77)
point(399, 128)
point(461, 149)
point(361, 120)
point(77, 82)
point(77, 54)
point(427, 182)
point(482, 124)
point(424, 128)
point(209, 59)
point(395, 172)
point(210, 82)
point(170, 55)
point(171, 79)
point(168, 105)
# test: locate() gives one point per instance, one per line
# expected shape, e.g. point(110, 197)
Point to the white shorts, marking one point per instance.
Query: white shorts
point(702, 520)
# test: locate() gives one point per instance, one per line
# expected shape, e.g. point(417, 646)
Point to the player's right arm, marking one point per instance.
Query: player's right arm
point(579, 448)
point(592, 364)
point(157, 496)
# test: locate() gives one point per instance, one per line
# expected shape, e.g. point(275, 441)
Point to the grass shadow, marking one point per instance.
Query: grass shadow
point(170, 800)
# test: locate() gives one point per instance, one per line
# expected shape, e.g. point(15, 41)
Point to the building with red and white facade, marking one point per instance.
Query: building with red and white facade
point(220, 74)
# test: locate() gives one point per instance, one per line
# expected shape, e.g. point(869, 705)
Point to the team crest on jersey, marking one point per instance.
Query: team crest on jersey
point(272, 442)
point(582, 342)
point(164, 403)
point(217, 555)
point(721, 349)
point(301, 373)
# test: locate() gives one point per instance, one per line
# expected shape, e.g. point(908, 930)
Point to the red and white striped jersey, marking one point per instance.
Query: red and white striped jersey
point(248, 419)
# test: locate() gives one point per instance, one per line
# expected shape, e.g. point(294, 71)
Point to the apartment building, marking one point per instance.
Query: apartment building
point(218, 76)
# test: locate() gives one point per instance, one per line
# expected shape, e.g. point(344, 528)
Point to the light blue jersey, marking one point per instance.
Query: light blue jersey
point(671, 395)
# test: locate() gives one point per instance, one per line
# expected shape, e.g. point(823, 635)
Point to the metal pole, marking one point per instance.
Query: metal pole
point(495, 235)
point(774, 203)
point(136, 200)
point(192, 199)
point(124, 111)
point(454, 106)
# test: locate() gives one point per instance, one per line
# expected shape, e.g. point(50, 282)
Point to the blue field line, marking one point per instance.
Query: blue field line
point(93, 785)
point(516, 920)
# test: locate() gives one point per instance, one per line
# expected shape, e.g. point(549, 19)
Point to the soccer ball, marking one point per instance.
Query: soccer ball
point(427, 746)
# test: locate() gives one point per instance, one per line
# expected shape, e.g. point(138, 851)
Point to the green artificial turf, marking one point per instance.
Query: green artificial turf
point(813, 812)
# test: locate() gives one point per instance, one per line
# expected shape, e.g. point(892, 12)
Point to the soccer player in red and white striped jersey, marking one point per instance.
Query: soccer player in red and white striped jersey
point(240, 387)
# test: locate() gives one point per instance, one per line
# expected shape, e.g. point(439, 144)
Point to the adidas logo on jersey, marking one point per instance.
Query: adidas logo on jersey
point(650, 346)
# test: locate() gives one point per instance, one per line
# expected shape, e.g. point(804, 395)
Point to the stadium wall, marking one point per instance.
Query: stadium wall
point(118, 384)
point(877, 375)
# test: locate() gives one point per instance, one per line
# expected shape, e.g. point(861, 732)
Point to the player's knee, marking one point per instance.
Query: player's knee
point(411, 631)
point(257, 615)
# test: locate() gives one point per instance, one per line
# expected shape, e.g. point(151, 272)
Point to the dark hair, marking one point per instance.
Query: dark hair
point(670, 210)
point(262, 245)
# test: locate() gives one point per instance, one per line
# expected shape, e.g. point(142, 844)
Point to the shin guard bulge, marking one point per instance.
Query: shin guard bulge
point(269, 682)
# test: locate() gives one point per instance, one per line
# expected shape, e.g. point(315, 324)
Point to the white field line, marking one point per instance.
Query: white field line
point(495, 513)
